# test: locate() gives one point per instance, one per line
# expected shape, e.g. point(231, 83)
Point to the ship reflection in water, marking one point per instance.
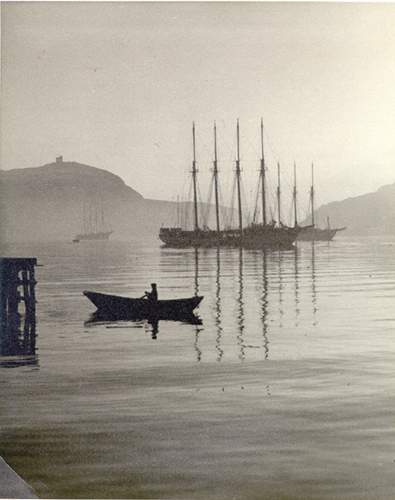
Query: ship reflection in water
point(249, 296)
point(18, 342)
point(281, 281)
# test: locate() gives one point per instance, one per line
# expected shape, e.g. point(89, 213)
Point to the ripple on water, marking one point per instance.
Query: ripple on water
point(284, 390)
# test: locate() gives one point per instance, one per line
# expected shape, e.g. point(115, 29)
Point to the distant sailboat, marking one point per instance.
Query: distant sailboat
point(94, 227)
point(312, 233)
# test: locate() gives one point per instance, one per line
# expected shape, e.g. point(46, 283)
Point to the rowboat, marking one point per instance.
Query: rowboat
point(141, 308)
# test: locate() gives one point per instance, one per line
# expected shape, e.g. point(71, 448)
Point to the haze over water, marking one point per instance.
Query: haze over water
point(130, 77)
point(284, 391)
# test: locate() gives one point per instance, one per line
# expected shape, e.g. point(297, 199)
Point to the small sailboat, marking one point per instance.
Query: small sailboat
point(94, 227)
point(313, 233)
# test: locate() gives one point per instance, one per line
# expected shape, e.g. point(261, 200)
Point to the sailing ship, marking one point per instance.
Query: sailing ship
point(312, 233)
point(94, 227)
point(255, 235)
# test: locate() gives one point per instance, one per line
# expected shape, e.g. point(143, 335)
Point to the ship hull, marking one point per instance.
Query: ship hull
point(317, 234)
point(99, 236)
point(267, 237)
point(254, 237)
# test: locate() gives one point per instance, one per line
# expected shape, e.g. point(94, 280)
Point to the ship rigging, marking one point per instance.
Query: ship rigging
point(254, 235)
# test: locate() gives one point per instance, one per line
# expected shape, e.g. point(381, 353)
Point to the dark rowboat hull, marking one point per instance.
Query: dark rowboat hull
point(125, 307)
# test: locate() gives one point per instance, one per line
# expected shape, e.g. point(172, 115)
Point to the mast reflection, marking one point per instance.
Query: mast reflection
point(280, 289)
point(297, 300)
point(197, 330)
point(240, 315)
point(218, 312)
point(313, 284)
point(265, 302)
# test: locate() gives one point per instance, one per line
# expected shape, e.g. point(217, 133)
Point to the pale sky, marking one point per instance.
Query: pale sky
point(117, 86)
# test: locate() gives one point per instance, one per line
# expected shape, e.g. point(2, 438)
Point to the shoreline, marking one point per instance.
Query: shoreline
point(12, 485)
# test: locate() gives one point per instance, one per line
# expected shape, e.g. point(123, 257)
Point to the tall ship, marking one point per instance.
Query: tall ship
point(94, 226)
point(257, 235)
point(313, 233)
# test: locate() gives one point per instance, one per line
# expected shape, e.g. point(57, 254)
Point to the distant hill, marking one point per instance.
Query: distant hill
point(46, 203)
point(367, 214)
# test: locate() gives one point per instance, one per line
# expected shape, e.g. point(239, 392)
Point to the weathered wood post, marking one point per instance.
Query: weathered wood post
point(17, 286)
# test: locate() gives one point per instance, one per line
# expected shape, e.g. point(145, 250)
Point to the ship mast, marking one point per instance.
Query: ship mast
point(294, 198)
point(216, 179)
point(238, 180)
point(178, 212)
point(278, 194)
point(263, 178)
point(312, 195)
point(102, 216)
point(194, 172)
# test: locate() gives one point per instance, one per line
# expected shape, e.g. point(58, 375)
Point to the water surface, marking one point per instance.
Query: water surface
point(286, 389)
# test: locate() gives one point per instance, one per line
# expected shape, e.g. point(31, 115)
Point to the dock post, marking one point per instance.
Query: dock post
point(17, 286)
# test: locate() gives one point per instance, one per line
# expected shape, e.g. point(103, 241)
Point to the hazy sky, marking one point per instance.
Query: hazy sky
point(117, 85)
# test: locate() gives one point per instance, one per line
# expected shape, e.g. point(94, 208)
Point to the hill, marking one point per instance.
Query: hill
point(367, 214)
point(46, 203)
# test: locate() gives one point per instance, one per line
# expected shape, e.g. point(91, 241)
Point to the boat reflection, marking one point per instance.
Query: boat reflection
point(99, 318)
point(18, 341)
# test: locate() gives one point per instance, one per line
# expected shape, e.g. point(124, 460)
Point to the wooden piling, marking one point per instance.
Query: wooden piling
point(17, 305)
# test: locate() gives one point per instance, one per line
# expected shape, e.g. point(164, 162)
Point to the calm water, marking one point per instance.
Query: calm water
point(286, 389)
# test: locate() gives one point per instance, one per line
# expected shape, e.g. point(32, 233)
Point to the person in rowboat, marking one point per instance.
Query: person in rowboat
point(152, 296)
